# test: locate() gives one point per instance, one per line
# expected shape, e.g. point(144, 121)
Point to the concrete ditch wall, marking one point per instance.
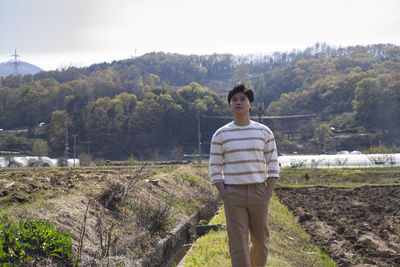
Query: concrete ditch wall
point(173, 241)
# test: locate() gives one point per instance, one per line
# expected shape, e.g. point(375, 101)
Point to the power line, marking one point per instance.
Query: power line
point(259, 118)
point(265, 117)
point(286, 116)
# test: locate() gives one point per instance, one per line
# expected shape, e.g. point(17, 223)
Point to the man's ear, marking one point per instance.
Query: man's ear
point(251, 105)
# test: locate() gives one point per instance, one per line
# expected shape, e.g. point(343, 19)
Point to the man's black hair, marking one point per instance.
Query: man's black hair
point(241, 88)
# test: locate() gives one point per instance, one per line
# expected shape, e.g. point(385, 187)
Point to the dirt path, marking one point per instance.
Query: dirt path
point(357, 226)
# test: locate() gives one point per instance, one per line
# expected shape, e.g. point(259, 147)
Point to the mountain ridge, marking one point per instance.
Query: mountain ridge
point(7, 68)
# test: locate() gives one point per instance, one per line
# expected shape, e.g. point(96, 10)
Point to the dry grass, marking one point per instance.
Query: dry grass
point(125, 214)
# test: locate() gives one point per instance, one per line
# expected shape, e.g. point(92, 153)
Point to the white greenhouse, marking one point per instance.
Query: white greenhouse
point(340, 160)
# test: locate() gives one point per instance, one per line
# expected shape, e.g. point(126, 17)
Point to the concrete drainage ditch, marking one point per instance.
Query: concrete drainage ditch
point(170, 250)
point(177, 258)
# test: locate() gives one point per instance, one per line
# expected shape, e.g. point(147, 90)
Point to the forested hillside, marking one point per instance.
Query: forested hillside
point(147, 107)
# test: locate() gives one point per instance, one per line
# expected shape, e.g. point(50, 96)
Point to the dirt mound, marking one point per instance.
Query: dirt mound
point(357, 226)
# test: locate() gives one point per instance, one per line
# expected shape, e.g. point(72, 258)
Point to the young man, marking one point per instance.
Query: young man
point(239, 154)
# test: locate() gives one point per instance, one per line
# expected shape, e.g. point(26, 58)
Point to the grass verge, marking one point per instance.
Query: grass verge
point(339, 176)
point(289, 244)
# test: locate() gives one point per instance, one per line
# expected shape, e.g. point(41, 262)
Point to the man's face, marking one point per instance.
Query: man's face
point(240, 104)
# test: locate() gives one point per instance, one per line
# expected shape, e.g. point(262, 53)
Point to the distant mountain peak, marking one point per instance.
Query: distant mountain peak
point(7, 68)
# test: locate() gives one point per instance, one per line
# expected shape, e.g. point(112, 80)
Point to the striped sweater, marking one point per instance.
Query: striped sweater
point(239, 154)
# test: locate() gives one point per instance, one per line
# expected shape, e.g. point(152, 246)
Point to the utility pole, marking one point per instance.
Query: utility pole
point(319, 137)
point(66, 139)
point(15, 63)
point(74, 136)
point(87, 142)
point(199, 134)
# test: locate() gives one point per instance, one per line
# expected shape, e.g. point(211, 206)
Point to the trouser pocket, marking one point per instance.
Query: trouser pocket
point(261, 190)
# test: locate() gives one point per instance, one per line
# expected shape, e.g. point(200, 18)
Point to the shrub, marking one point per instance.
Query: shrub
point(30, 240)
point(193, 181)
point(131, 161)
point(40, 148)
point(99, 162)
point(377, 150)
point(112, 194)
point(178, 153)
point(85, 159)
point(155, 219)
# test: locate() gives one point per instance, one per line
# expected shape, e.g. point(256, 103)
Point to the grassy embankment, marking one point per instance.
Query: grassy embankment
point(289, 244)
point(113, 215)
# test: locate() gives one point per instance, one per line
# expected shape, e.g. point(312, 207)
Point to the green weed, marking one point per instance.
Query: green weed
point(203, 222)
point(193, 181)
point(32, 239)
point(210, 250)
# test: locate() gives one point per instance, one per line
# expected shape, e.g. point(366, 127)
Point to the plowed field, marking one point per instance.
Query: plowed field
point(357, 226)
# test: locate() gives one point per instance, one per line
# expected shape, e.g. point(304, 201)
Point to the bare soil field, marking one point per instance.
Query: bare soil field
point(359, 226)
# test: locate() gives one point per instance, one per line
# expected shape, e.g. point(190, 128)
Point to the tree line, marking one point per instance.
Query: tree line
point(148, 106)
point(150, 126)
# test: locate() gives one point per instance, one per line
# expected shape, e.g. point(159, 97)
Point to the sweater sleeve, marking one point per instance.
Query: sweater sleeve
point(271, 157)
point(216, 160)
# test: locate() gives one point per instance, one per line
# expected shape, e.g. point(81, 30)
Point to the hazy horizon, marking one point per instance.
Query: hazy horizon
point(55, 34)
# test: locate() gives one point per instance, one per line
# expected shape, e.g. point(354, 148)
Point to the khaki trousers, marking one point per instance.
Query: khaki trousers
point(246, 209)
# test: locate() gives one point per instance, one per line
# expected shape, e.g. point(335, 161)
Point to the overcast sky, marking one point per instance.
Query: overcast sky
point(59, 33)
